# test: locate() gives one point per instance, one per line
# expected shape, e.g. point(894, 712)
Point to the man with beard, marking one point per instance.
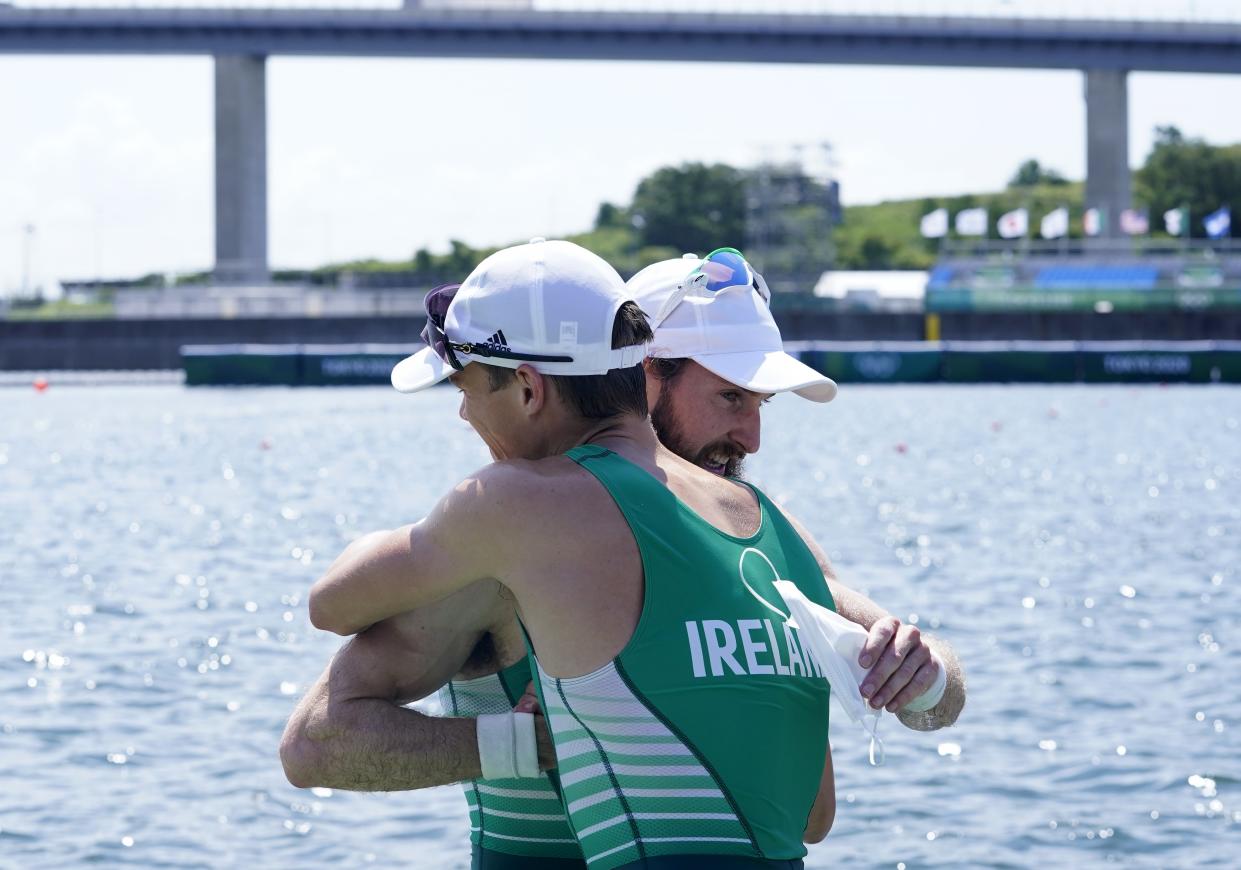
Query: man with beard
point(717, 358)
point(351, 731)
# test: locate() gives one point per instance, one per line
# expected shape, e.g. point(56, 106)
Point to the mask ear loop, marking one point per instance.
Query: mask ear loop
point(875, 741)
point(786, 617)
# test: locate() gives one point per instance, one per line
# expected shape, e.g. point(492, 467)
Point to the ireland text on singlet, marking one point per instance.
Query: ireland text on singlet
point(512, 816)
point(707, 734)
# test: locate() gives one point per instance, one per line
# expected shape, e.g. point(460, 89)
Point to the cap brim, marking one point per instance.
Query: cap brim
point(423, 369)
point(769, 372)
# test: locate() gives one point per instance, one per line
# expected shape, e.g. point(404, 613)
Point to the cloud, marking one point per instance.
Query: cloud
point(109, 192)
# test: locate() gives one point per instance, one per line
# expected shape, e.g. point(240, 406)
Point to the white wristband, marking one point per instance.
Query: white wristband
point(931, 696)
point(527, 745)
point(506, 746)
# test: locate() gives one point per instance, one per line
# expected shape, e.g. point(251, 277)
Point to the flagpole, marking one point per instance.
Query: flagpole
point(1024, 244)
point(1064, 237)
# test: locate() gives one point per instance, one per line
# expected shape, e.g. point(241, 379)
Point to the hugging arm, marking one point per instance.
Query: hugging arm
point(351, 731)
point(385, 573)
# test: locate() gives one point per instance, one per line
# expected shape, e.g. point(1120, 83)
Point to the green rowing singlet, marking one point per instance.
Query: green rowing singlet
point(707, 734)
point(510, 817)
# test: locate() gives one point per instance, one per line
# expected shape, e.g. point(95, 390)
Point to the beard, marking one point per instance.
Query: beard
point(668, 429)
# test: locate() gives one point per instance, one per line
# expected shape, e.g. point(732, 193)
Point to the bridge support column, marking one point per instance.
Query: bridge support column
point(240, 169)
point(1108, 184)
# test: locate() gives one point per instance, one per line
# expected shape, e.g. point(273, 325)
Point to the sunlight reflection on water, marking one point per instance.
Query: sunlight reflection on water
point(1078, 546)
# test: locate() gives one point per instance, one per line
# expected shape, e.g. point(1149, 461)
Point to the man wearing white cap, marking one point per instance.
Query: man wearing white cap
point(717, 356)
point(713, 327)
point(349, 732)
point(591, 528)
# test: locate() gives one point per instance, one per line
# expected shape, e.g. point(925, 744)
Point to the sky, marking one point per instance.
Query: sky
point(110, 158)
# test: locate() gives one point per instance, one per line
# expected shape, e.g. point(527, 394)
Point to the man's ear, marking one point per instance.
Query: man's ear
point(533, 387)
point(654, 384)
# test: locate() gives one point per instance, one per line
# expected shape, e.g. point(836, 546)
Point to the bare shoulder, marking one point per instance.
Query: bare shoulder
point(514, 493)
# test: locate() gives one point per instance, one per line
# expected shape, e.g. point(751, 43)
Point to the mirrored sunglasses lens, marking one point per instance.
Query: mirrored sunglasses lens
point(438, 300)
point(725, 268)
point(433, 335)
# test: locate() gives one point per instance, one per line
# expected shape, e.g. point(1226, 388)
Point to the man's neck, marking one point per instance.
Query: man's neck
point(627, 434)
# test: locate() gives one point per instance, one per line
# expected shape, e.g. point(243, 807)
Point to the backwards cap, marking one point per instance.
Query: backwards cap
point(545, 298)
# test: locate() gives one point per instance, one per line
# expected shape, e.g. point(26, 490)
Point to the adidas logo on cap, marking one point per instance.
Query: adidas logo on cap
point(497, 341)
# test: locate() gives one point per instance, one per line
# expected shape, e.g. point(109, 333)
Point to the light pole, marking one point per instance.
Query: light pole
point(27, 240)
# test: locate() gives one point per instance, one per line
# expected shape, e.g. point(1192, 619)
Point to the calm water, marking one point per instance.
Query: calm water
point(1079, 547)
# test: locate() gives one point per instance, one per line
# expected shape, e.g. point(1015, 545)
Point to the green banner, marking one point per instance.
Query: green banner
point(1147, 366)
point(877, 366)
point(1010, 366)
point(242, 368)
point(348, 369)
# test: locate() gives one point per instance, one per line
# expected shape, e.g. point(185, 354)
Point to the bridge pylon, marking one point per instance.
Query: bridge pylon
point(1109, 184)
point(241, 169)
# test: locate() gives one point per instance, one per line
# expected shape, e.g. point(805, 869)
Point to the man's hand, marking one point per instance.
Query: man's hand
point(529, 703)
point(901, 664)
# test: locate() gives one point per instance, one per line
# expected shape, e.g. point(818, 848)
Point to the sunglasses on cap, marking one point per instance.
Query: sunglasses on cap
point(437, 302)
point(722, 269)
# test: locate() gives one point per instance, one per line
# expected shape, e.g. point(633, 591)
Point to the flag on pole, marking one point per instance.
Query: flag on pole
point(1055, 224)
point(1176, 221)
point(1218, 224)
point(972, 222)
point(1094, 221)
point(1014, 224)
point(1134, 222)
point(935, 224)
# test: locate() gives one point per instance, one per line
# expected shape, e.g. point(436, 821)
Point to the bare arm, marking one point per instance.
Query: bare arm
point(823, 813)
point(386, 573)
point(899, 655)
point(350, 730)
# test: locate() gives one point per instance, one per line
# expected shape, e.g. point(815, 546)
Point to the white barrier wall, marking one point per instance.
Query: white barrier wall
point(240, 302)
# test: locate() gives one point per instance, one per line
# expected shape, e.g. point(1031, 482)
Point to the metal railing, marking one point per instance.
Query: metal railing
point(1171, 11)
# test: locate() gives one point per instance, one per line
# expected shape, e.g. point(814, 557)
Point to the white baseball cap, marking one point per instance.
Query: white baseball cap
point(729, 331)
point(549, 305)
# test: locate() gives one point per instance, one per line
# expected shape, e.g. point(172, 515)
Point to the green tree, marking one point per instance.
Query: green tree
point(423, 262)
point(461, 259)
point(1183, 171)
point(1032, 174)
point(610, 216)
point(692, 207)
point(876, 253)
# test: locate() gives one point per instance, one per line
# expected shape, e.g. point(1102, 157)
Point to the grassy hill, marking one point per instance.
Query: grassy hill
point(880, 236)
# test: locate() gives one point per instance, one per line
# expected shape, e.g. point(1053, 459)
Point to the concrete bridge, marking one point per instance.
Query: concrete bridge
point(241, 40)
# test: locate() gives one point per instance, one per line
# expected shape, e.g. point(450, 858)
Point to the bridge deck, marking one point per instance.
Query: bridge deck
point(505, 33)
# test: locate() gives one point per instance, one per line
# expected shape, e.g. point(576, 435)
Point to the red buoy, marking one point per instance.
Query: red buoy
point(40, 384)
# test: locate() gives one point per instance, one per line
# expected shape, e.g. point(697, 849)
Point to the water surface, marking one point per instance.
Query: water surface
point(1077, 545)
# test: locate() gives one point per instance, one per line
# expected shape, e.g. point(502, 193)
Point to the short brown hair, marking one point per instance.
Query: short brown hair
point(597, 397)
point(667, 369)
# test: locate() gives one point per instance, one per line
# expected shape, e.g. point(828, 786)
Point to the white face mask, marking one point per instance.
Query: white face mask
point(836, 643)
